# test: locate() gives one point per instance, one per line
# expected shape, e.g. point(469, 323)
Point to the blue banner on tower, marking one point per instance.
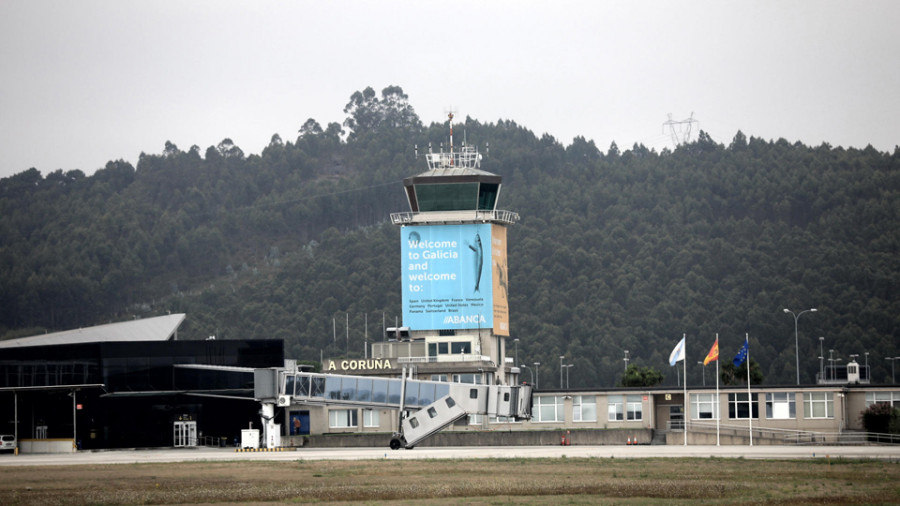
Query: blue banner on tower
point(446, 271)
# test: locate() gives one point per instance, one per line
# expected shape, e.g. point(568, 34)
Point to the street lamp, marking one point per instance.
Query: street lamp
point(831, 363)
point(821, 358)
point(796, 339)
point(893, 359)
point(700, 362)
point(626, 360)
point(516, 341)
point(561, 367)
point(568, 366)
point(529, 372)
point(537, 375)
point(832, 366)
point(867, 367)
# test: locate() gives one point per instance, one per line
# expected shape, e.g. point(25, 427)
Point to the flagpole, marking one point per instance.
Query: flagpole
point(749, 395)
point(716, 404)
point(684, 400)
point(678, 353)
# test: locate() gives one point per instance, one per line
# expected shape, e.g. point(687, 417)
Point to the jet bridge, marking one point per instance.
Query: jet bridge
point(424, 407)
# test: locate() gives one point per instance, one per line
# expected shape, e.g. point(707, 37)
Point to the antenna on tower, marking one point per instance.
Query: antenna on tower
point(681, 134)
point(450, 112)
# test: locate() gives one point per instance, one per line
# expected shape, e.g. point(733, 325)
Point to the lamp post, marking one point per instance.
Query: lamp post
point(529, 372)
point(568, 366)
point(561, 367)
point(537, 375)
point(700, 362)
point(821, 358)
point(832, 366)
point(831, 363)
point(516, 342)
point(796, 338)
point(893, 359)
point(626, 360)
point(74, 422)
point(867, 367)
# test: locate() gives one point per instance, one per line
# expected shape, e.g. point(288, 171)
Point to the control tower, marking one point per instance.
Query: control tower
point(454, 272)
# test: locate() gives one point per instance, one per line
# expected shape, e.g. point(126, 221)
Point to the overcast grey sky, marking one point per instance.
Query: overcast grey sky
point(88, 81)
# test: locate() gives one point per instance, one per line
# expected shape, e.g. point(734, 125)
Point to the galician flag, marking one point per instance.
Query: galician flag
point(678, 353)
point(713, 352)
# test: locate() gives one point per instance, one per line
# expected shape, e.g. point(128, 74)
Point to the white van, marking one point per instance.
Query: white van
point(7, 442)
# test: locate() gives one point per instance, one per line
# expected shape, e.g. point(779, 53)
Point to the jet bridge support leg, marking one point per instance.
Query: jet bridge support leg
point(271, 430)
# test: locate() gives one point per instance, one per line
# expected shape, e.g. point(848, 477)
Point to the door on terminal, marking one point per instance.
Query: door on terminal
point(185, 433)
point(299, 424)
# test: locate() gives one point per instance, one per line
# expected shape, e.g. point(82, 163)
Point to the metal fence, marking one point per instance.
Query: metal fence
point(789, 436)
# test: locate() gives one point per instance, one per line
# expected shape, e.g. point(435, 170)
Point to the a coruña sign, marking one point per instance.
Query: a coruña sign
point(369, 364)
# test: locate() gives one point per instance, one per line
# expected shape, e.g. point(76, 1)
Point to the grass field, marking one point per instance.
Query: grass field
point(481, 481)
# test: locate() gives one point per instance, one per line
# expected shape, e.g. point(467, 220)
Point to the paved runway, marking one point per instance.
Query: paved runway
point(891, 453)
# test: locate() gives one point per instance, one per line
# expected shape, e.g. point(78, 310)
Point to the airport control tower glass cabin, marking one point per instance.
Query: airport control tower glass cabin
point(453, 274)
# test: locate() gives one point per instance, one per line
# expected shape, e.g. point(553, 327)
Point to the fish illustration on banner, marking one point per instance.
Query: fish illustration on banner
point(479, 260)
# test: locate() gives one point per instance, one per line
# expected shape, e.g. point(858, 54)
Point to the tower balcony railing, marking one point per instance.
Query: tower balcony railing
point(496, 216)
point(449, 358)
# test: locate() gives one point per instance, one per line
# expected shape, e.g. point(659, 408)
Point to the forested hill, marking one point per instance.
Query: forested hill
point(616, 250)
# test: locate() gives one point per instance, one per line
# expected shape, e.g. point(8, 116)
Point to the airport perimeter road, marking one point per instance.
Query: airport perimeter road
point(891, 453)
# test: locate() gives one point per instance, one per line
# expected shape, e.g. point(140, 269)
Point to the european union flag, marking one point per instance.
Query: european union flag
point(742, 355)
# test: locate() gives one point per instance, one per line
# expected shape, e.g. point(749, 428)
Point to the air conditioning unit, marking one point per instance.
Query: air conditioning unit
point(284, 401)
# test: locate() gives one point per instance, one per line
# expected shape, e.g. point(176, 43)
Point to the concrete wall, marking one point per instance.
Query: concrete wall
point(490, 438)
point(46, 446)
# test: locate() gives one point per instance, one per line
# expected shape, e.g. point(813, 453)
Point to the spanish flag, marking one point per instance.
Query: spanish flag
point(713, 352)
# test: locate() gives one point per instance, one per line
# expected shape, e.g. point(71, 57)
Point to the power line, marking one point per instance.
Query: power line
point(320, 195)
point(215, 212)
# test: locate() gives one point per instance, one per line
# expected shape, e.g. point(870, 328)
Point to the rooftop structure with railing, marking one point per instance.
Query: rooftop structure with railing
point(467, 157)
